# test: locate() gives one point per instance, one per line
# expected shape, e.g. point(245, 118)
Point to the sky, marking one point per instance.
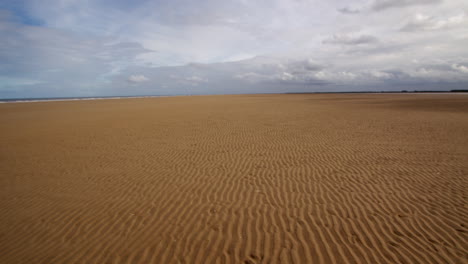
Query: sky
point(61, 48)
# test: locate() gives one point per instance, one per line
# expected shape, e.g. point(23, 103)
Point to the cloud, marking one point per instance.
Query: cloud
point(279, 70)
point(348, 10)
point(195, 79)
point(379, 5)
point(89, 48)
point(420, 22)
point(285, 74)
point(192, 80)
point(137, 78)
point(350, 39)
point(460, 68)
point(61, 62)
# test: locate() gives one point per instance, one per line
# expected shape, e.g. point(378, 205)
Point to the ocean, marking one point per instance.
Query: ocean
point(46, 99)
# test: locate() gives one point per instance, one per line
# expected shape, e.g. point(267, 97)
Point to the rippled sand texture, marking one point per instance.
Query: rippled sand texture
point(349, 178)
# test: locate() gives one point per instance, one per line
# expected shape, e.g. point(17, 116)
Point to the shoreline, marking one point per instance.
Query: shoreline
point(62, 99)
point(65, 99)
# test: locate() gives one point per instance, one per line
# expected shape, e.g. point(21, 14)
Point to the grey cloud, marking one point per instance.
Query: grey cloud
point(188, 79)
point(283, 74)
point(350, 39)
point(270, 74)
point(348, 10)
point(290, 71)
point(460, 68)
point(306, 65)
point(379, 5)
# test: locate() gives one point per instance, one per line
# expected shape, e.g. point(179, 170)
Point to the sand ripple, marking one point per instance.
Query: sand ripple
point(236, 179)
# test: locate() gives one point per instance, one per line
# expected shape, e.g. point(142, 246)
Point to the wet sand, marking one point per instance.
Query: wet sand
point(300, 178)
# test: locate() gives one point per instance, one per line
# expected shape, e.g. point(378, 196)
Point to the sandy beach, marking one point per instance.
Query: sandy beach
point(287, 178)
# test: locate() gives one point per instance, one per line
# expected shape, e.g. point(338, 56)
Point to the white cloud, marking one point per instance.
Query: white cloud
point(137, 78)
point(460, 68)
point(423, 22)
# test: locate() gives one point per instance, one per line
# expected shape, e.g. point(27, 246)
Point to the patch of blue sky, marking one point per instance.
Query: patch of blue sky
point(18, 10)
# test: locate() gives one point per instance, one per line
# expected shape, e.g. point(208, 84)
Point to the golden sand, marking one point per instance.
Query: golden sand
point(350, 178)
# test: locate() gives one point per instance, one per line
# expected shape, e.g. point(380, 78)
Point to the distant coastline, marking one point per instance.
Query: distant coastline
point(402, 91)
point(55, 99)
